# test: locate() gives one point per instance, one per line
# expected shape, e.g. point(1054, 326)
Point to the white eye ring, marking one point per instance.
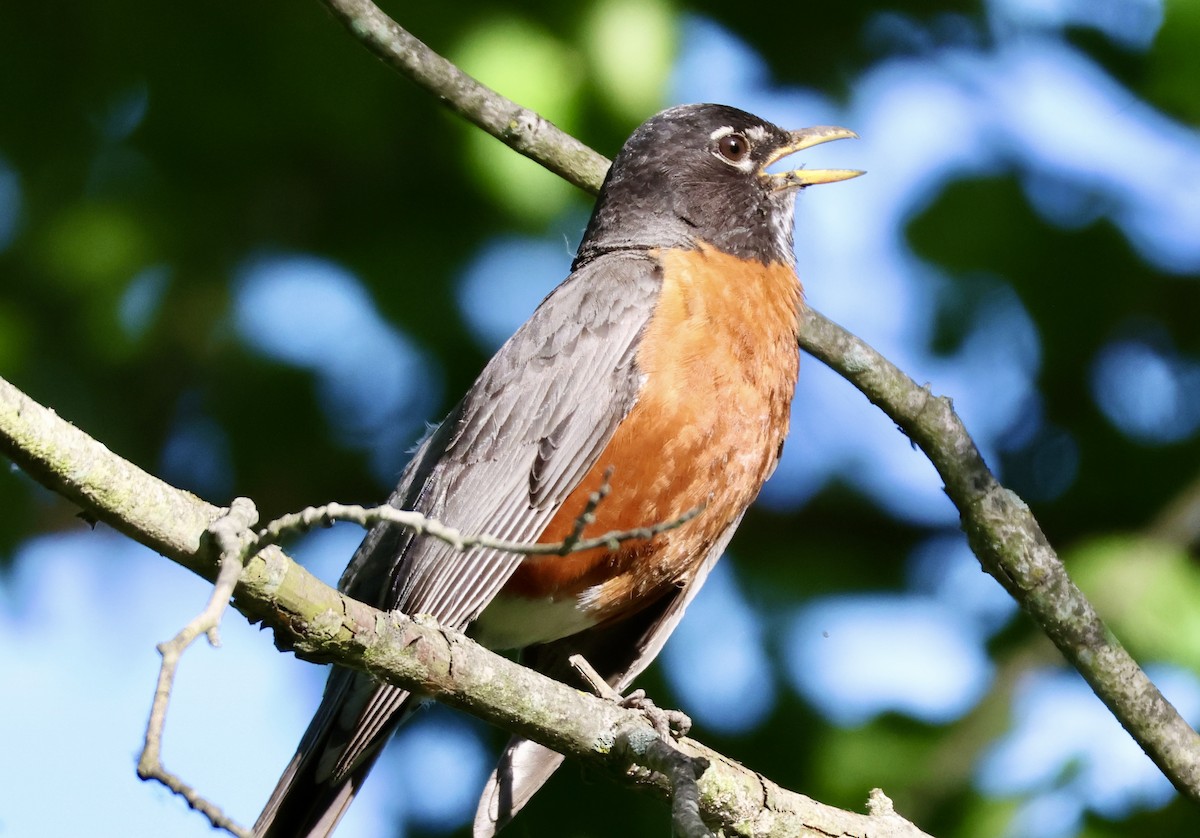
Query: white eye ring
point(733, 147)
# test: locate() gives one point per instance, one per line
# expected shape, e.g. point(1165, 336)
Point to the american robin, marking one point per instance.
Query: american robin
point(667, 360)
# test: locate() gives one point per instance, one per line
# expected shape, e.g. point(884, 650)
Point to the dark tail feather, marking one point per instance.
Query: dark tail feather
point(303, 806)
point(523, 768)
point(356, 717)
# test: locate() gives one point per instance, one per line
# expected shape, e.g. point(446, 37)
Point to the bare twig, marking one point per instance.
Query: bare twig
point(365, 516)
point(669, 724)
point(657, 753)
point(234, 541)
point(228, 534)
point(588, 517)
point(594, 679)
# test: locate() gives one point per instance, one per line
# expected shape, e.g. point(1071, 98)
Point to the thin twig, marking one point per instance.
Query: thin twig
point(228, 538)
point(594, 679)
point(670, 724)
point(234, 543)
point(365, 516)
point(588, 516)
point(659, 754)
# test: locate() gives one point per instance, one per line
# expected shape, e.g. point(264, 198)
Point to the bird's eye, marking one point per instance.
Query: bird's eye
point(733, 147)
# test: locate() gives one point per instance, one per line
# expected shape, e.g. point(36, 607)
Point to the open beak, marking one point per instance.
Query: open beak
point(800, 140)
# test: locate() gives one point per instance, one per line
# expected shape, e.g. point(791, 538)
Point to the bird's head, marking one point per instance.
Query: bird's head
point(700, 173)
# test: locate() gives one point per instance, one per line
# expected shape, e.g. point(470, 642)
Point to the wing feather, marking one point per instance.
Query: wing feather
point(534, 423)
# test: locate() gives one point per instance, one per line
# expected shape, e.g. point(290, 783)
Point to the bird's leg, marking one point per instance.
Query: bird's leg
point(660, 755)
point(669, 724)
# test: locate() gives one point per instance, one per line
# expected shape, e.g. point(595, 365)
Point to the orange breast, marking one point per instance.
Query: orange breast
point(719, 359)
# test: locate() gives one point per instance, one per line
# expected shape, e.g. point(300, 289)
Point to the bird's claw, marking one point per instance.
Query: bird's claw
point(670, 724)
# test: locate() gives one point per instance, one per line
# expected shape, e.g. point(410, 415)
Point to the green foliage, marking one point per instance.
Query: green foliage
point(1147, 590)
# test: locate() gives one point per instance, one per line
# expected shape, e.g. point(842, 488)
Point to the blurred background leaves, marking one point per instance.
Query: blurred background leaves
point(246, 256)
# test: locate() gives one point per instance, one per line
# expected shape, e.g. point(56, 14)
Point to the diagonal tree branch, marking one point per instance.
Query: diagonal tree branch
point(319, 623)
point(1011, 546)
point(1002, 531)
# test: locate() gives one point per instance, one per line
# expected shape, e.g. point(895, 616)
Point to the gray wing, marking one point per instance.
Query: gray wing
point(502, 463)
point(529, 429)
point(619, 652)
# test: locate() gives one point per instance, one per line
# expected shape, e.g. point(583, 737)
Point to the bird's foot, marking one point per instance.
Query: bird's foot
point(669, 724)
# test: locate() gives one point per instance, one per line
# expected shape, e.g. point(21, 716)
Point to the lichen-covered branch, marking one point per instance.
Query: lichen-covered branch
point(320, 623)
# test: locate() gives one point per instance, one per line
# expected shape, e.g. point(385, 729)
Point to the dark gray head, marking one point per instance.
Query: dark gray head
point(697, 173)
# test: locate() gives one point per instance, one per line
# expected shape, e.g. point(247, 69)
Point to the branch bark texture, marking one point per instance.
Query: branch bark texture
point(1002, 531)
